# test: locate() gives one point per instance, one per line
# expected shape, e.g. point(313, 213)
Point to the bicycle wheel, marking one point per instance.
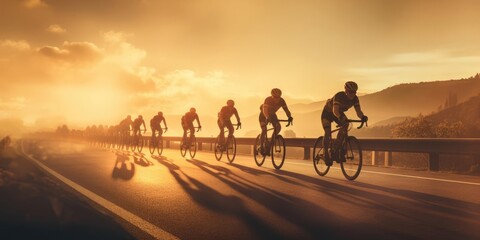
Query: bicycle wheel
point(257, 154)
point(139, 143)
point(218, 149)
point(152, 144)
point(133, 143)
point(352, 165)
point(193, 147)
point(231, 148)
point(183, 148)
point(159, 146)
point(278, 152)
point(319, 158)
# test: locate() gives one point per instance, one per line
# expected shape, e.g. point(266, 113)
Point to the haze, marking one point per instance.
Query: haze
point(94, 62)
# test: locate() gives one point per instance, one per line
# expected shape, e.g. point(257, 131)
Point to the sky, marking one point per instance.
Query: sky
point(95, 61)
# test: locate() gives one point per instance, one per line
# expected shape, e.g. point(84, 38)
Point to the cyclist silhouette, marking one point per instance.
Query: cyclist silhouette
point(187, 123)
point(269, 110)
point(155, 124)
point(124, 126)
point(137, 124)
point(224, 119)
point(334, 111)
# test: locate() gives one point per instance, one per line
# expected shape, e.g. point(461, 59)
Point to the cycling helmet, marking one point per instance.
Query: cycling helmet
point(276, 92)
point(193, 110)
point(160, 113)
point(140, 116)
point(351, 86)
point(129, 117)
point(230, 103)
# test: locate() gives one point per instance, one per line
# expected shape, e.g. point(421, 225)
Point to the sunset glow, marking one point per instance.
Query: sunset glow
point(93, 62)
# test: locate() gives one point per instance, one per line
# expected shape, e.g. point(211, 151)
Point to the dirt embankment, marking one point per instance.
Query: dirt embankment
point(34, 206)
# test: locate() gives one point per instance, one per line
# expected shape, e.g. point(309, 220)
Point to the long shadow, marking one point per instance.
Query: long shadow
point(142, 161)
point(258, 172)
point(314, 220)
point(121, 170)
point(217, 202)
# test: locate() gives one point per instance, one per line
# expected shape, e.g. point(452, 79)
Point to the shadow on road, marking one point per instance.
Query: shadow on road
point(123, 169)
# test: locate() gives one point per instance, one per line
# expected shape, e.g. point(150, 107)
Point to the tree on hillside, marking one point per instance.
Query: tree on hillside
point(450, 130)
point(289, 133)
point(418, 127)
point(451, 101)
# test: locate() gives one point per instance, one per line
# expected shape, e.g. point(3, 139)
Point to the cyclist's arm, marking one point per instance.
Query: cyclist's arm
point(144, 127)
point(358, 109)
point(165, 122)
point(236, 115)
point(198, 121)
point(287, 111)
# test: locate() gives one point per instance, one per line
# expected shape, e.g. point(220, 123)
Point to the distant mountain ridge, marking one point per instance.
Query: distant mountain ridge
point(409, 99)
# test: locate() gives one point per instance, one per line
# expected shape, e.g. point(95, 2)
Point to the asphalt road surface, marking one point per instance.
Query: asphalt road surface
point(203, 198)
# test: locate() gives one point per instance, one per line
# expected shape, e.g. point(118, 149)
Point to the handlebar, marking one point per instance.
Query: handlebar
point(289, 122)
point(360, 121)
point(239, 126)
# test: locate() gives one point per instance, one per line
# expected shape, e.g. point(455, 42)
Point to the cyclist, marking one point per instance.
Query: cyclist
point(224, 119)
point(124, 126)
point(269, 109)
point(155, 124)
point(137, 123)
point(187, 123)
point(334, 111)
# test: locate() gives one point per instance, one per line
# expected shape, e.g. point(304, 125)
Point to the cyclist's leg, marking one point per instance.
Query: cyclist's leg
point(263, 125)
point(327, 119)
point(341, 135)
point(276, 125)
point(230, 128)
point(222, 131)
point(185, 128)
point(192, 132)
point(160, 131)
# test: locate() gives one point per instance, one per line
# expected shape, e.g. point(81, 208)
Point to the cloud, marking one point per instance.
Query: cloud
point(34, 3)
point(20, 45)
point(82, 52)
point(55, 28)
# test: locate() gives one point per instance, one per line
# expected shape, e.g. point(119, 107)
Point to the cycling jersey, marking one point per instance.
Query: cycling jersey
point(274, 104)
point(343, 101)
point(137, 123)
point(189, 117)
point(125, 124)
point(155, 121)
point(227, 112)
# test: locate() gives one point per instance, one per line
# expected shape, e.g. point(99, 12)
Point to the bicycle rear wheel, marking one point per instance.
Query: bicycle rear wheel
point(278, 152)
point(218, 150)
point(193, 147)
point(133, 143)
point(160, 146)
point(257, 154)
point(152, 144)
point(319, 158)
point(231, 148)
point(352, 165)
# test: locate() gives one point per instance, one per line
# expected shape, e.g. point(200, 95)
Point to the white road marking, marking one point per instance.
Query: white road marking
point(407, 176)
point(137, 221)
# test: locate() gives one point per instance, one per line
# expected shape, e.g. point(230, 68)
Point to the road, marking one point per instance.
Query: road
point(203, 198)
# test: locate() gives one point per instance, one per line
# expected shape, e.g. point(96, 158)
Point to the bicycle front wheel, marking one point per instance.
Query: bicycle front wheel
point(278, 152)
point(319, 158)
point(160, 146)
point(231, 148)
point(352, 165)
point(139, 143)
point(193, 147)
point(257, 153)
point(218, 149)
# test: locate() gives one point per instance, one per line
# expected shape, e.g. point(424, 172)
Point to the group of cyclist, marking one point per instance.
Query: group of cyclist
point(333, 111)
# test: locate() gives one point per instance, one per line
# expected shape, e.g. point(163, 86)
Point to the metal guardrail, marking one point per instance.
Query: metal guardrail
point(433, 146)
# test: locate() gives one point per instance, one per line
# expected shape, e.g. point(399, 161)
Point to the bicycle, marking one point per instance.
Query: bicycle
point(349, 156)
point(190, 145)
point(137, 141)
point(276, 150)
point(229, 146)
point(156, 142)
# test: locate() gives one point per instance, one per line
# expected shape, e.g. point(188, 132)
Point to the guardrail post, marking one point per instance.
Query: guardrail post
point(167, 144)
point(433, 162)
point(306, 153)
point(199, 146)
point(388, 159)
point(374, 158)
point(251, 149)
